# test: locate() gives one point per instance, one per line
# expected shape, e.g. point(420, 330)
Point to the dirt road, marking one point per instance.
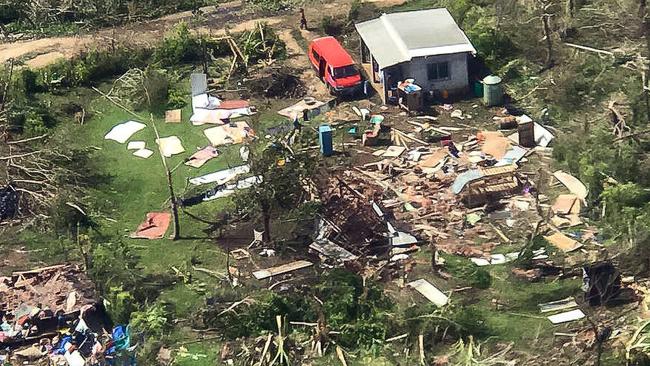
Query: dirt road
point(41, 52)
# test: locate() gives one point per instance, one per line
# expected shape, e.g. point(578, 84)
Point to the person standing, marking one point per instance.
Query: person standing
point(303, 20)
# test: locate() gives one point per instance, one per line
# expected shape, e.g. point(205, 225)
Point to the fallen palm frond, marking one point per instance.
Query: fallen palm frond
point(469, 354)
point(640, 342)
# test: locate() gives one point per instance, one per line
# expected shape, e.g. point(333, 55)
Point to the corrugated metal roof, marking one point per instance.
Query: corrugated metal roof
point(398, 37)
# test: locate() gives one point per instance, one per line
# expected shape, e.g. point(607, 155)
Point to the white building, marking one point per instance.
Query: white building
point(425, 45)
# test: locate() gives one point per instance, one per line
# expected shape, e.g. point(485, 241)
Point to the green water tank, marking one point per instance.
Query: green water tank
point(492, 91)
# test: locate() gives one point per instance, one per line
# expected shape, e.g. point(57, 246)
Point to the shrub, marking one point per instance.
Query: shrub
point(271, 5)
point(331, 26)
point(355, 11)
point(480, 278)
point(180, 46)
point(120, 304)
point(113, 265)
point(470, 321)
point(28, 80)
point(359, 312)
point(156, 86)
point(493, 44)
point(259, 316)
point(34, 124)
point(256, 46)
point(177, 99)
point(152, 320)
point(92, 67)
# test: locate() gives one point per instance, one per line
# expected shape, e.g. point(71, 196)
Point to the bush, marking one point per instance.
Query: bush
point(468, 273)
point(256, 47)
point(121, 305)
point(359, 312)
point(471, 321)
point(455, 321)
point(493, 44)
point(91, 67)
point(331, 26)
point(177, 99)
point(113, 265)
point(180, 46)
point(355, 11)
point(480, 278)
point(153, 320)
point(271, 5)
point(34, 124)
point(28, 80)
point(156, 86)
point(259, 316)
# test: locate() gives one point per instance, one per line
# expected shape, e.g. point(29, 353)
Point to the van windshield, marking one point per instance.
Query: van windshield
point(345, 71)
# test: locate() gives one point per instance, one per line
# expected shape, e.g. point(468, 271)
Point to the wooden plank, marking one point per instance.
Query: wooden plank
point(566, 317)
point(39, 270)
point(430, 292)
point(285, 268)
point(563, 304)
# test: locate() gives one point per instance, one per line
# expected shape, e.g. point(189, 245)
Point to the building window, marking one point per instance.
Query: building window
point(438, 71)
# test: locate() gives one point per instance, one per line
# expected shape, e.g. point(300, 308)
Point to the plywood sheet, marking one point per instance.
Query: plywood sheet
point(285, 268)
point(173, 116)
point(430, 292)
point(563, 242)
point(566, 317)
point(564, 203)
point(573, 184)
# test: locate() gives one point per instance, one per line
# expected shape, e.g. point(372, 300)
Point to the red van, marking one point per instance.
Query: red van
point(334, 66)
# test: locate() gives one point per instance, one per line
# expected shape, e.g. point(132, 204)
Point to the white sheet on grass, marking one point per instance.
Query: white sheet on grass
point(143, 153)
point(222, 176)
point(136, 145)
point(205, 116)
point(226, 134)
point(170, 146)
point(204, 101)
point(122, 132)
point(231, 188)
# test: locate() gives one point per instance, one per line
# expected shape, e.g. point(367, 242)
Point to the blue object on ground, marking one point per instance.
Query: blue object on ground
point(325, 140)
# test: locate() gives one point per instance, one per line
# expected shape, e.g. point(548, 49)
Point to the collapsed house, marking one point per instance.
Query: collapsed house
point(50, 295)
point(54, 314)
point(355, 224)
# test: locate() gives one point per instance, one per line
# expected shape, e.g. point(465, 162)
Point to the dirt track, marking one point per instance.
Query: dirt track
point(42, 52)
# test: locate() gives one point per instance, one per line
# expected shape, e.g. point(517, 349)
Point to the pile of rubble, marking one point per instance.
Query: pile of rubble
point(52, 316)
point(463, 191)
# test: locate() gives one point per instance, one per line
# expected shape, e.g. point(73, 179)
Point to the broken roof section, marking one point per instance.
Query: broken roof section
point(399, 37)
point(53, 287)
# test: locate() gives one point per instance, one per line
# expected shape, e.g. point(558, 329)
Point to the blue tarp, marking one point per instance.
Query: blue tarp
point(512, 156)
point(121, 337)
point(464, 178)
